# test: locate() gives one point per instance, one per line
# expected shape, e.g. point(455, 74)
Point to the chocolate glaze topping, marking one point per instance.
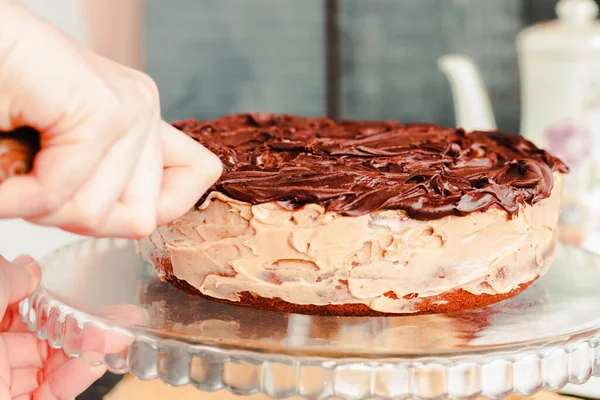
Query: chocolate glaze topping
point(354, 168)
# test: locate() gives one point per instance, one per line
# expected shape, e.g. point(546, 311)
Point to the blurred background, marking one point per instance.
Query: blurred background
point(216, 57)
point(211, 58)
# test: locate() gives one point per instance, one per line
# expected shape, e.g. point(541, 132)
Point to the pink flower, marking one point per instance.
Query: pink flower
point(569, 142)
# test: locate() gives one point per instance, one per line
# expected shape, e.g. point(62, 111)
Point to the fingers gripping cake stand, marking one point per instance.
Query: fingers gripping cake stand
point(99, 301)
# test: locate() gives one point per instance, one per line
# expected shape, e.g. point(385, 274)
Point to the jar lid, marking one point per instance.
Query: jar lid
point(577, 30)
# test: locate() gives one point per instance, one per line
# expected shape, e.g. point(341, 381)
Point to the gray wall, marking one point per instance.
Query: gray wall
point(213, 57)
point(391, 48)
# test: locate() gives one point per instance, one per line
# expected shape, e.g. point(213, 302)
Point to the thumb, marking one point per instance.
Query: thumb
point(17, 280)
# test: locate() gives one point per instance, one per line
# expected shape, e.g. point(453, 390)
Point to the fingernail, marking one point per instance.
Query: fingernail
point(23, 259)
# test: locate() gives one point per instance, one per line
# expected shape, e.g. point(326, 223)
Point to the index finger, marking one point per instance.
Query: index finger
point(58, 172)
point(190, 169)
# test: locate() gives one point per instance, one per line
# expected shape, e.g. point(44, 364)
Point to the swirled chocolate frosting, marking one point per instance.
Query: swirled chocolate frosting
point(357, 167)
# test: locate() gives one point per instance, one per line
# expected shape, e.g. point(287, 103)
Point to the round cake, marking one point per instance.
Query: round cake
point(361, 218)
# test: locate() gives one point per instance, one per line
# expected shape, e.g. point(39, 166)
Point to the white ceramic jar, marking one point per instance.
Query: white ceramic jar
point(560, 90)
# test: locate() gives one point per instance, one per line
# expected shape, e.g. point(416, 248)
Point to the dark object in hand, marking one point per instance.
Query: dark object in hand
point(18, 149)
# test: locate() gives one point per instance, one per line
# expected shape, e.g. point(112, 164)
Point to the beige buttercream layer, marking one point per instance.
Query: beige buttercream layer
point(384, 260)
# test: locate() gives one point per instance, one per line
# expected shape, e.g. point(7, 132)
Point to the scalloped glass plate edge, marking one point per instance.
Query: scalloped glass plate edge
point(281, 376)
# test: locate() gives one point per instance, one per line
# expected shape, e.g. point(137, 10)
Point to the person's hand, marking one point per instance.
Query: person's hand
point(29, 368)
point(108, 166)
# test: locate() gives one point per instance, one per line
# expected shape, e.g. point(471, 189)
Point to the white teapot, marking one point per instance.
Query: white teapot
point(560, 92)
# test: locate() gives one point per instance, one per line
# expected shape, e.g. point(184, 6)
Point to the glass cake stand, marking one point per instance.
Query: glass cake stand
point(98, 300)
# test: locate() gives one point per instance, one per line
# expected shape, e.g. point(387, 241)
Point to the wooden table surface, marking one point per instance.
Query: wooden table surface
point(113, 387)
